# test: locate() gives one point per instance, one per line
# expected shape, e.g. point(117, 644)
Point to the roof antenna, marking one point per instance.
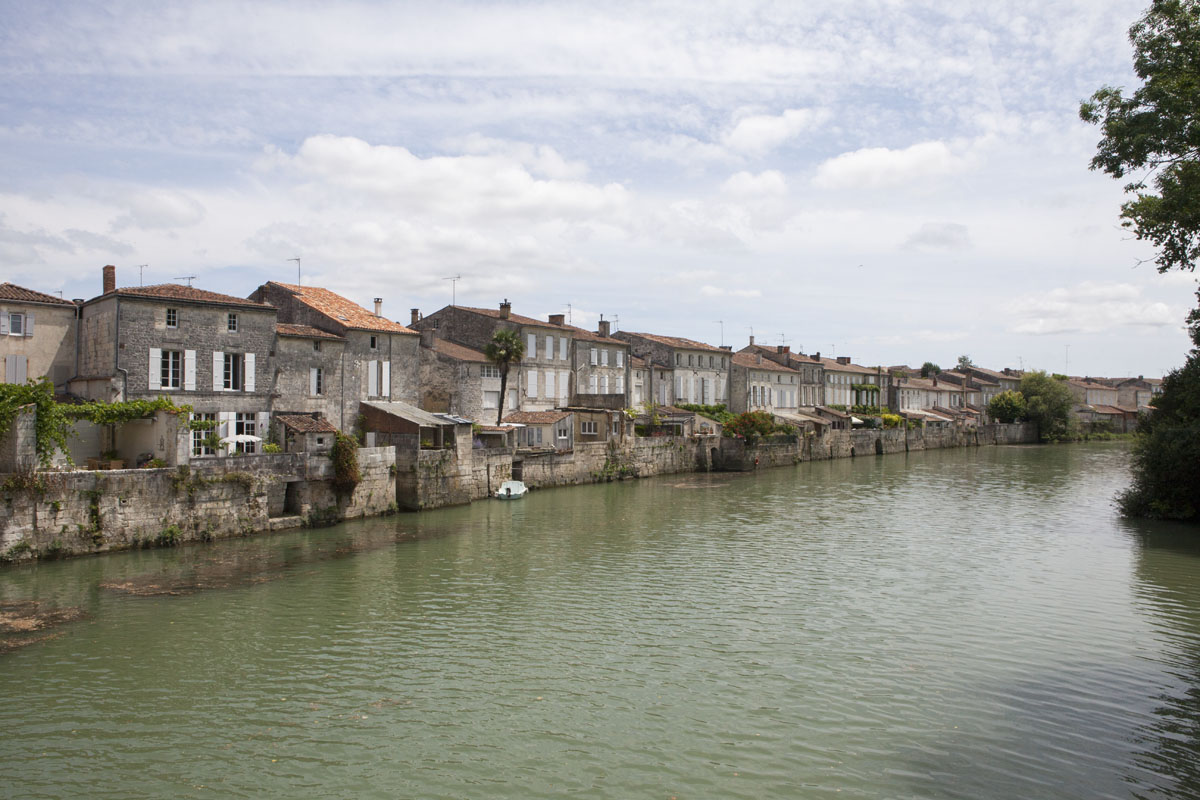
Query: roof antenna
point(568, 313)
point(188, 278)
point(721, 322)
point(616, 322)
point(297, 260)
point(140, 268)
point(454, 279)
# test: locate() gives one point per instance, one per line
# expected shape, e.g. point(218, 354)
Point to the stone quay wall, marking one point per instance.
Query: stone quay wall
point(78, 512)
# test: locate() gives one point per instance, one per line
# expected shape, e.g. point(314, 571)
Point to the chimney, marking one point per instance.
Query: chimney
point(752, 340)
point(505, 309)
point(427, 337)
point(843, 359)
point(816, 356)
point(728, 348)
point(558, 319)
point(110, 279)
point(416, 316)
point(379, 306)
point(604, 328)
point(934, 376)
point(783, 348)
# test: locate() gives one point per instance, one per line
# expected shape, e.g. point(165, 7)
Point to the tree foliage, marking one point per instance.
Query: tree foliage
point(504, 350)
point(965, 362)
point(929, 368)
point(751, 425)
point(1007, 407)
point(1154, 133)
point(1048, 402)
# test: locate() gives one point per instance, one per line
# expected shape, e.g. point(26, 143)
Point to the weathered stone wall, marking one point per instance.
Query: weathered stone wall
point(69, 513)
point(291, 384)
point(18, 445)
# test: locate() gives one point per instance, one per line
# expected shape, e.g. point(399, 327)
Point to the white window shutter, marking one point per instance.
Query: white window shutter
point(248, 381)
point(4, 324)
point(531, 383)
point(620, 358)
point(189, 370)
point(386, 379)
point(620, 384)
point(531, 345)
point(592, 384)
point(564, 385)
point(595, 357)
point(550, 392)
point(218, 370)
point(549, 347)
point(312, 380)
point(562, 348)
point(29, 324)
point(604, 358)
point(154, 377)
point(603, 384)
point(22, 369)
point(372, 378)
point(225, 428)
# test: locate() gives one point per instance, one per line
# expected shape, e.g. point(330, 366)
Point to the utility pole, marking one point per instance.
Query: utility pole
point(297, 260)
point(721, 322)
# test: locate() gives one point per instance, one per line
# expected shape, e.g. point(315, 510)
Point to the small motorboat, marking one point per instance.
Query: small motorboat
point(511, 490)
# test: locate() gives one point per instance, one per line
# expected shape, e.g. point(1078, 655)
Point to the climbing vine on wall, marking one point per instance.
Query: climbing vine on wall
point(346, 474)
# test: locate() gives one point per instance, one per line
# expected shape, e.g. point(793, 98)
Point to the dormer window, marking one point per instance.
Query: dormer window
point(231, 323)
point(172, 317)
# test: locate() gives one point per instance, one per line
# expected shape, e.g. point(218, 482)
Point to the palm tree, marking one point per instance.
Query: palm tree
point(504, 350)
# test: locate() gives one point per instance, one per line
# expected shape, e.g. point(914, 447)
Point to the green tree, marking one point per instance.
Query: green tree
point(965, 362)
point(929, 368)
point(1048, 402)
point(1007, 406)
point(504, 350)
point(1155, 132)
point(751, 425)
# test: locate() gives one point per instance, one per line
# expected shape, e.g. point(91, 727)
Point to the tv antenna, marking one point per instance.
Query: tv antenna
point(297, 260)
point(569, 313)
point(140, 268)
point(188, 278)
point(454, 279)
point(616, 322)
point(721, 322)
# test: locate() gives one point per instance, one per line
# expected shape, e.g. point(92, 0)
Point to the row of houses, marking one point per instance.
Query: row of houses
point(302, 361)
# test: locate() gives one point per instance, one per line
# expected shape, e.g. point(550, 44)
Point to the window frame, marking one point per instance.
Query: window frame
point(231, 322)
point(172, 318)
point(170, 365)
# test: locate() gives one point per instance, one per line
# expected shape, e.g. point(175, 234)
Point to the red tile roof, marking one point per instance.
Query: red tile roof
point(10, 291)
point(305, 423)
point(304, 332)
point(516, 318)
point(750, 361)
point(187, 294)
point(678, 342)
point(536, 417)
point(458, 351)
point(342, 311)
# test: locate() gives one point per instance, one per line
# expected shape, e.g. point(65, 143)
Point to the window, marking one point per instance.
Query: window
point(244, 425)
point(231, 323)
point(620, 384)
point(595, 357)
point(16, 324)
point(562, 348)
point(549, 347)
point(235, 371)
point(316, 381)
point(531, 345)
point(199, 448)
point(587, 428)
point(317, 345)
point(489, 371)
point(604, 358)
point(171, 369)
point(690, 359)
point(603, 384)
point(374, 342)
point(564, 432)
point(678, 359)
point(620, 358)
point(616, 427)
point(710, 362)
point(16, 369)
point(491, 400)
point(172, 317)
point(550, 383)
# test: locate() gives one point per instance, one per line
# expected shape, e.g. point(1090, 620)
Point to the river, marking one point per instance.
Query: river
point(949, 624)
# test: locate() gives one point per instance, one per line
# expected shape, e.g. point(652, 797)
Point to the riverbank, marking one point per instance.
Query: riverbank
point(68, 513)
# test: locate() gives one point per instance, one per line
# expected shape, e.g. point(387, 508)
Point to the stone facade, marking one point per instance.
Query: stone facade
point(601, 366)
point(459, 380)
point(37, 336)
point(681, 370)
point(307, 375)
point(760, 384)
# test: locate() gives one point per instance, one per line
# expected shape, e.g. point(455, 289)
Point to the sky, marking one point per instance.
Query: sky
point(894, 181)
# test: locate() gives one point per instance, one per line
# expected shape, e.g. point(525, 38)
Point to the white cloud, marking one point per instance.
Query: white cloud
point(880, 167)
point(939, 236)
point(769, 183)
point(1089, 307)
point(759, 134)
point(720, 291)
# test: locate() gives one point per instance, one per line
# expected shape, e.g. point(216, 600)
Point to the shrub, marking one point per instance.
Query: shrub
point(346, 473)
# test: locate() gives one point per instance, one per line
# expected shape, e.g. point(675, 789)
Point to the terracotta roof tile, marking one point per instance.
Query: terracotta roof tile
point(342, 311)
point(458, 351)
point(10, 291)
point(304, 332)
point(190, 294)
point(536, 417)
point(306, 423)
point(517, 318)
point(750, 361)
point(678, 342)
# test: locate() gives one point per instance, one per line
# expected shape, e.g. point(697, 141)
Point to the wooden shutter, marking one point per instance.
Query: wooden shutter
point(550, 391)
point(312, 380)
point(22, 369)
point(385, 379)
point(154, 377)
point(29, 324)
point(4, 323)
point(564, 385)
point(620, 358)
point(604, 357)
point(562, 348)
point(248, 378)
point(595, 357)
point(225, 428)
point(189, 370)
point(531, 345)
point(218, 374)
point(372, 378)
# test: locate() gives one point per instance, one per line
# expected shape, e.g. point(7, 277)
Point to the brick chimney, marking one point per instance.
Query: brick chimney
point(604, 328)
point(843, 359)
point(110, 279)
point(816, 356)
point(751, 340)
point(505, 309)
point(416, 316)
point(558, 319)
point(783, 348)
point(379, 306)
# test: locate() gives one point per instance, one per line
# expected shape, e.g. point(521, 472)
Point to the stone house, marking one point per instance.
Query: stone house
point(970, 392)
point(757, 383)
point(37, 336)
point(849, 384)
point(457, 379)
point(379, 360)
point(697, 372)
point(308, 371)
point(208, 350)
point(1090, 392)
point(810, 372)
point(1136, 393)
point(303, 433)
point(1009, 380)
point(543, 379)
point(601, 368)
point(543, 430)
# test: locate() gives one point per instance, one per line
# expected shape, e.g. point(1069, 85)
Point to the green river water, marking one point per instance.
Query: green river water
point(951, 624)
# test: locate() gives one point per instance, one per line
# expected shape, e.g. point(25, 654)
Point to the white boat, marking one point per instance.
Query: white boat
point(511, 490)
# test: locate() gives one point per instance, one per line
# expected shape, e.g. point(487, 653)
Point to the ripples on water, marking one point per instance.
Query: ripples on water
point(949, 624)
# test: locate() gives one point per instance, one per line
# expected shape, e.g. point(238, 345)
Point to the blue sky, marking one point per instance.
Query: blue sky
point(894, 181)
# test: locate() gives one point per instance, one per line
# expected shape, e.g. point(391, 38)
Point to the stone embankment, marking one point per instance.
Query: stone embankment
point(49, 514)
